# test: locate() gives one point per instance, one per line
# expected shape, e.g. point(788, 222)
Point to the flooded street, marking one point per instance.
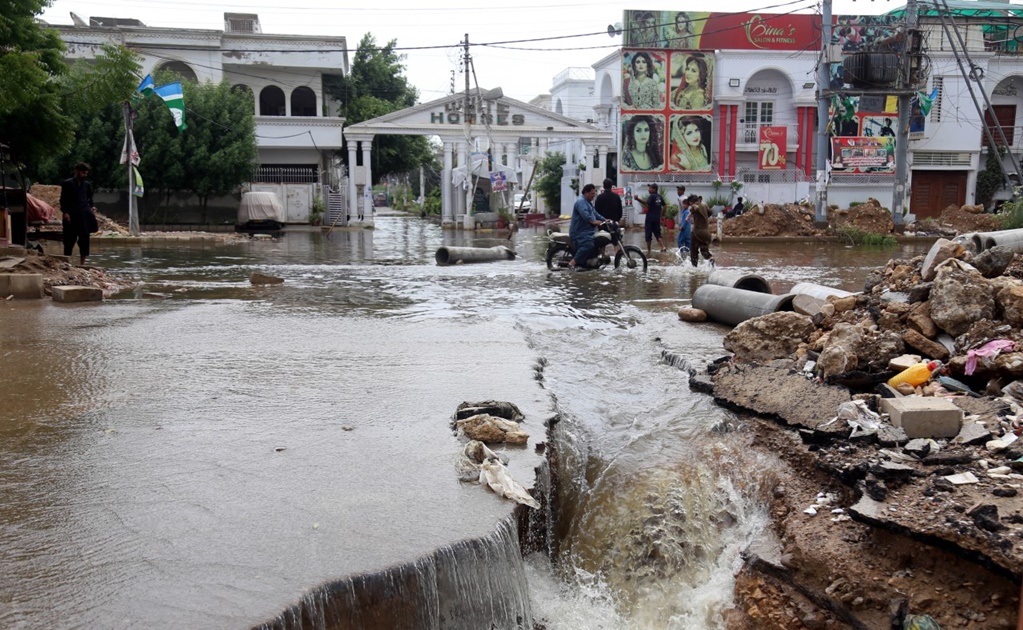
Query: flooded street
point(208, 459)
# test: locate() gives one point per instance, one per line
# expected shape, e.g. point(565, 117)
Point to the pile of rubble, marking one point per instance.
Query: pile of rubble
point(941, 461)
point(57, 271)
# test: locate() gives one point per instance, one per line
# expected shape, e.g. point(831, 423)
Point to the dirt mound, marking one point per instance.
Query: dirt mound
point(867, 217)
point(48, 193)
point(966, 219)
point(58, 272)
point(106, 224)
point(773, 220)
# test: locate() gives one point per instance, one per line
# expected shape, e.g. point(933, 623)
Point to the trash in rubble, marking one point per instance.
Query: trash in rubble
point(1001, 443)
point(953, 385)
point(494, 474)
point(961, 478)
point(860, 418)
point(989, 350)
point(920, 622)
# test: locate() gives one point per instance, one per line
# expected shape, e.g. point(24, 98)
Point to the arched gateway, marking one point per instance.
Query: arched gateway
point(516, 135)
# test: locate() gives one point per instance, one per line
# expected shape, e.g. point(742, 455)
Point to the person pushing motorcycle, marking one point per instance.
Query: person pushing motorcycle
point(585, 220)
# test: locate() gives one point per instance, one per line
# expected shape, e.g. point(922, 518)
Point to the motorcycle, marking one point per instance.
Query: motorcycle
point(560, 251)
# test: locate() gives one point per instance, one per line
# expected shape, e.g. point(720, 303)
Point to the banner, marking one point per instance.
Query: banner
point(498, 181)
point(667, 101)
point(128, 151)
point(773, 147)
point(684, 30)
point(138, 189)
point(863, 155)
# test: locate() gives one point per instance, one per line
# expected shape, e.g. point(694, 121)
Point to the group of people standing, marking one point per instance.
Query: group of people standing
point(694, 226)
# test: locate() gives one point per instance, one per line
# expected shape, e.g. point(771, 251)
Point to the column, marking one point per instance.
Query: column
point(800, 121)
point(367, 196)
point(353, 197)
point(808, 156)
point(733, 124)
point(463, 161)
point(588, 161)
point(602, 163)
point(723, 112)
point(447, 211)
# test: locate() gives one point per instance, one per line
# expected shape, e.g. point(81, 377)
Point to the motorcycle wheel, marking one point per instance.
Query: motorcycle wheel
point(558, 257)
point(632, 256)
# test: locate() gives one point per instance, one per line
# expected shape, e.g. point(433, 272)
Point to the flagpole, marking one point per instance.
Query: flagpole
point(133, 214)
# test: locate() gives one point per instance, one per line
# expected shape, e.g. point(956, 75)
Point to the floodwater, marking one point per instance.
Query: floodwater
point(212, 459)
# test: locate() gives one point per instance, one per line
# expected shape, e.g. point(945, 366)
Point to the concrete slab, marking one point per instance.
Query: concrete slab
point(5, 285)
point(924, 416)
point(74, 293)
point(26, 285)
point(9, 262)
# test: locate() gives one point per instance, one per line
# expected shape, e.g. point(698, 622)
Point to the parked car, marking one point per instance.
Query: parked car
point(522, 204)
point(258, 212)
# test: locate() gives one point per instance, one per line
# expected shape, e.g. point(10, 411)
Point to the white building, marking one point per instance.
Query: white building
point(298, 129)
point(770, 80)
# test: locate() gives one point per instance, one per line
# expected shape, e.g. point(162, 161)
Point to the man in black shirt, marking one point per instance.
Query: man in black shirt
point(608, 203)
point(78, 212)
point(654, 204)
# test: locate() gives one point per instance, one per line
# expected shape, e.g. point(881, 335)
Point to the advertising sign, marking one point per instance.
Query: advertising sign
point(498, 181)
point(862, 155)
point(773, 147)
point(667, 99)
point(684, 30)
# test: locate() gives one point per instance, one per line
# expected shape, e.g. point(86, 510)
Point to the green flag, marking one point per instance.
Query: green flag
point(138, 189)
point(174, 97)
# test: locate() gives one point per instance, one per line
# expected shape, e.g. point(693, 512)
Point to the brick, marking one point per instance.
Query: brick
point(26, 285)
point(74, 293)
point(924, 416)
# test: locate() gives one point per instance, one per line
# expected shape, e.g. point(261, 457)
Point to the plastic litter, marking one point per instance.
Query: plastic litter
point(920, 622)
point(915, 375)
point(953, 385)
point(859, 417)
point(989, 350)
point(494, 474)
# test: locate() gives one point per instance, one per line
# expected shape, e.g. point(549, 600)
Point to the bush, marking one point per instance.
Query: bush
point(860, 237)
point(1011, 212)
point(318, 210)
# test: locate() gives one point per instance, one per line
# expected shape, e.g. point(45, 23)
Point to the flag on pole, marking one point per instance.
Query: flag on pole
point(926, 101)
point(138, 189)
point(174, 98)
point(147, 86)
point(128, 151)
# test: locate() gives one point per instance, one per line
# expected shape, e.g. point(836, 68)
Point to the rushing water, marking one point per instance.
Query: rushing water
point(208, 459)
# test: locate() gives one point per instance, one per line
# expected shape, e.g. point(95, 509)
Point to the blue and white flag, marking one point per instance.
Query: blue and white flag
point(147, 85)
point(174, 98)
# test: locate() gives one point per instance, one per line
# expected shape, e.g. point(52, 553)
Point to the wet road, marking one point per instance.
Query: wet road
point(206, 459)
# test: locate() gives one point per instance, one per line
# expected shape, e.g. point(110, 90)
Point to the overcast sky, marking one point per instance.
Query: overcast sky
point(522, 74)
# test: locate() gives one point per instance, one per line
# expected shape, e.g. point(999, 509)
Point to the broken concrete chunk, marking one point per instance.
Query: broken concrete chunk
point(692, 315)
point(490, 429)
point(973, 433)
point(922, 417)
point(262, 278)
point(70, 294)
point(961, 478)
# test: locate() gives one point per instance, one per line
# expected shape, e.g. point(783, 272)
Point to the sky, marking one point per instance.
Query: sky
point(572, 33)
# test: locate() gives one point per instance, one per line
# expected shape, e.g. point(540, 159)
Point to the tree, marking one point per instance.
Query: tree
point(990, 180)
point(375, 87)
point(213, 156)
point(38, 91)
point(549, 172)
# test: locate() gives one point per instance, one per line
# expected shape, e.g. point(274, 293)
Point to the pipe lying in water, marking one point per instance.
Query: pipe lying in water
point(734, 306)
point(736, 280)
point(818, 291)
point(455, 255)
point(1013, 239)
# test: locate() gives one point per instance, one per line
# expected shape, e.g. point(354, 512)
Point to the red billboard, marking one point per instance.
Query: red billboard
point(862, 155)
point(685, 30)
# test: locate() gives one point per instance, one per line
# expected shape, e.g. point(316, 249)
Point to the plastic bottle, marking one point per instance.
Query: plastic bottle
point(915, 374)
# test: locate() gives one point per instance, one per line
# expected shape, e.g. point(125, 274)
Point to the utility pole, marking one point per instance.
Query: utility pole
point(823, 140)
point(469, 221)
point(902, 135)
point(133, 213)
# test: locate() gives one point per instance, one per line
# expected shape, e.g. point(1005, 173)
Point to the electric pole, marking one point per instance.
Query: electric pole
point(905, 104)
point(823, 140)
point(469, 221)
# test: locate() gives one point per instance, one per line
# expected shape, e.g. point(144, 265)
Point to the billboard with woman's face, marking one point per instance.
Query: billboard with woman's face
point(642, 143)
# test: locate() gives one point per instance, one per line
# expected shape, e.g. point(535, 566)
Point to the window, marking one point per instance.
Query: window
point(938, 83)
point(271, 101)
point(1006, 116)
point(758, 114)
point(303, 102)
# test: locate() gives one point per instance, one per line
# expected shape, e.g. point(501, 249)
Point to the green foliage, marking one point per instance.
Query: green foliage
point(318, 210)
point(717, 200)
point(990, 180)
point(377, 86)
point(433, 201)
point(853, 204)
point(860, 237)
point(1011, 212)
point(547, 183)
point(671, 211)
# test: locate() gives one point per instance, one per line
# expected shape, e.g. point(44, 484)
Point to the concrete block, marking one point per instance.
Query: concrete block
point(74, 293)
point(924, 416)
point(5, 285)
point(26, 285)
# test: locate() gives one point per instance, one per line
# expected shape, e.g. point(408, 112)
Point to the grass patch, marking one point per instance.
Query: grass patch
point(1011, 214)
point(860, 237)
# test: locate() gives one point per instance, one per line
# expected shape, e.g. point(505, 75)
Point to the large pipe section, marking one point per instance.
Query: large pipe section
point(819, 291)
point(736, 280)
point(1012, 239)
point(457, 255)
point(734, 306)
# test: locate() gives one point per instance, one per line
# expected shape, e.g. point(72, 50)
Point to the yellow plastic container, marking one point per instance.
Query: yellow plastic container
point(915, 374)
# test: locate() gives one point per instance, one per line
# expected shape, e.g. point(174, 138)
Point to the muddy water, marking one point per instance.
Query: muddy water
point(207, 459)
